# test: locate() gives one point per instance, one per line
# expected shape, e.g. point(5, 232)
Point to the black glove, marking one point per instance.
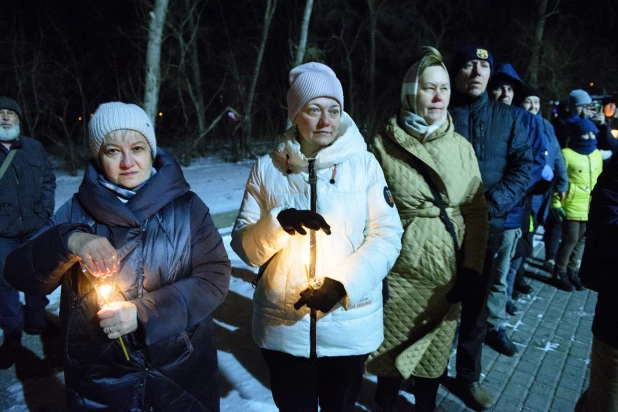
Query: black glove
point(465, 283)
point(293, 220)
point(322, 299)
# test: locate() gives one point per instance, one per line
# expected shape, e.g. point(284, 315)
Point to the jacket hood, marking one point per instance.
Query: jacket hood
point(163, 187)
point(348, 143)
point(505, 73)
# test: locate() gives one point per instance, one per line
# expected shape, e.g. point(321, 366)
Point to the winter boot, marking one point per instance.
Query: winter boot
point(501, 343)
point(573, 276)
point(561, 281)
point(522, 286)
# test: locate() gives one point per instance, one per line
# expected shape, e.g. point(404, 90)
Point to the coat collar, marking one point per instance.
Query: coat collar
point(163, 187)
point(348, 143)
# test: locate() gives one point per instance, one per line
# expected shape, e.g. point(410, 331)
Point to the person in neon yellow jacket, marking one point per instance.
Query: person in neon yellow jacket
point(584, 164)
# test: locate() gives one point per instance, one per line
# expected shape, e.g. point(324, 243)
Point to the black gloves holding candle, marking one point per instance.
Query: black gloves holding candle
point(322, 299)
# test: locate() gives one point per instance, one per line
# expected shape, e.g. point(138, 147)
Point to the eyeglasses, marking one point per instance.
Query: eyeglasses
point(8, 114)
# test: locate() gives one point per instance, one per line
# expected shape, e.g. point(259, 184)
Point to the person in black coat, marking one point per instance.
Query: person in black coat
point(505, 160)
point(598, 272)
point(134, 226)
point(26, 203)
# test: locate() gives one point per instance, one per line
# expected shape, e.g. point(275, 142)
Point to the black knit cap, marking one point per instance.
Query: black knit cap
point(472, 52)
point(529, 91)
point(9, 104)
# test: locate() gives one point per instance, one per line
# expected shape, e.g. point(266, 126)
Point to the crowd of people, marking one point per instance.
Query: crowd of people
point(376, 255)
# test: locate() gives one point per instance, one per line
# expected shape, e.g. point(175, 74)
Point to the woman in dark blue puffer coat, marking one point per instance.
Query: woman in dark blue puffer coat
point(135, 220)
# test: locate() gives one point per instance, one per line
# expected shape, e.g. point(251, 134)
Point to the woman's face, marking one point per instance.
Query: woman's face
point(318, 124)
point(125, 158)
point(434, 94)
point(532, 104)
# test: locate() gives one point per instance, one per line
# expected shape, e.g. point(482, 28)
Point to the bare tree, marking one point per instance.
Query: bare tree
point(304, 30)
point(269, 12)
point(153, 58)
point(532, 75)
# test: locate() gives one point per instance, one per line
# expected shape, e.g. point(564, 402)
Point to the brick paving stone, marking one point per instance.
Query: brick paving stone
point(560, 405)
point(538, 402)
point(579, 352)
point(508, 404)
point(527, 367)
point(573, 383)
point(516, 390)
point(567, 394)
point(496, 379)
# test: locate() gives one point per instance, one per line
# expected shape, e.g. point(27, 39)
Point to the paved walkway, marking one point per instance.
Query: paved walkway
point(551, 329)
point(552, 332)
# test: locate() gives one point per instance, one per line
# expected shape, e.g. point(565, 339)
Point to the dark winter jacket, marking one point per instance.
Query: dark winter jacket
point(539, 146)
point(174, 268)
point(599, 262)
point(502, 149)
point(26, 190)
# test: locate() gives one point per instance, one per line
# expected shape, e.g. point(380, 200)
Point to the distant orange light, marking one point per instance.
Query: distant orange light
point(591, 84)
point(160, 114)
point(91, 114)
point(79, 118)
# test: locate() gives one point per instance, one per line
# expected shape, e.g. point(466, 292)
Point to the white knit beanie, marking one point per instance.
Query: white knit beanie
point(311, 80)
point(116, 116)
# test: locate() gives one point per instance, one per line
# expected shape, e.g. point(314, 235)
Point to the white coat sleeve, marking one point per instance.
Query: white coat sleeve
point(364, 270)
point(257, 234)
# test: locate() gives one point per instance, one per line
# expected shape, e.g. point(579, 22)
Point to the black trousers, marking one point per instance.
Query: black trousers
point(425, 392)
point(474, 313)
point(298, 383)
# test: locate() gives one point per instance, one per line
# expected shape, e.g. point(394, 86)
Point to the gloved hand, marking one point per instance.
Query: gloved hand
point(293, 220)
point(465, 283)
point(322, 299)
point(547, 173)
point(558, 213)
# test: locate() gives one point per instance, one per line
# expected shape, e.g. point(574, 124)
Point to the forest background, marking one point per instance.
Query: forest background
point(214, 73)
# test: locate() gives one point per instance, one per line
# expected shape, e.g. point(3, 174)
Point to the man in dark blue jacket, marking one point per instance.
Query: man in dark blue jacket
point(501, 146)
point(26, 202)
point(505, 84)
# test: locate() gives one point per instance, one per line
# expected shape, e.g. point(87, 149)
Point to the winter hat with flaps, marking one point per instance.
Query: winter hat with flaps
point(116, 116)
point(471, 53)
point(311, 80)
point(7, 103)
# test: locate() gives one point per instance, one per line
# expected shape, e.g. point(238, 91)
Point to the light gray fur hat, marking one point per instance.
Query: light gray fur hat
point(116, 116)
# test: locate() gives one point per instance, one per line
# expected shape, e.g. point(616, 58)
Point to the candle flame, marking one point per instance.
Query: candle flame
point(104, 291)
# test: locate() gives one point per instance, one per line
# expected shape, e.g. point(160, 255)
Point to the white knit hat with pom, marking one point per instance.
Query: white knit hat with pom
point(116, 116)
point(311, 80)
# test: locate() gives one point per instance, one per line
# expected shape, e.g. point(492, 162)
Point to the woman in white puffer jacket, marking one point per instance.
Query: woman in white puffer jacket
point(357, 238)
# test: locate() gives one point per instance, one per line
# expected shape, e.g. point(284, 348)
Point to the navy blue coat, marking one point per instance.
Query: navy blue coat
point(539, 145)
point(26, 190)
point(174, 268)
point(502, 149)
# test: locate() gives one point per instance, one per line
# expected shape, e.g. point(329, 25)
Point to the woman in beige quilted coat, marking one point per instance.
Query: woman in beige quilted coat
point(423, 289)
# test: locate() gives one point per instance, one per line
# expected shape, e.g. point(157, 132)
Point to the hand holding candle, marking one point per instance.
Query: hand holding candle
point(118, 319)
point(95, 252)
